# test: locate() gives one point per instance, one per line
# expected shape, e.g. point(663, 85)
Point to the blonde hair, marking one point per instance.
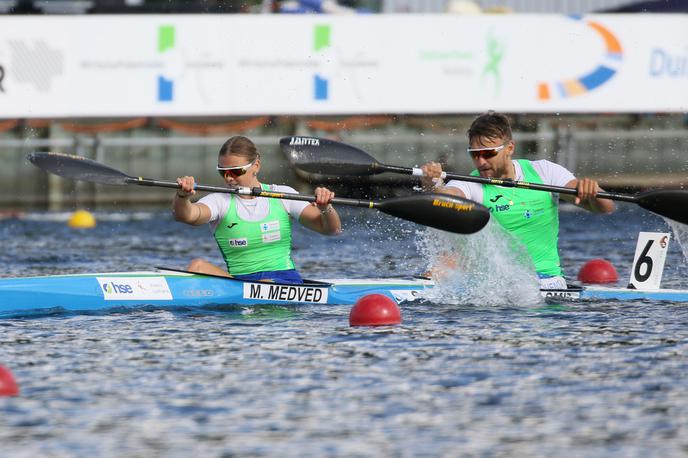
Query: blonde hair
point(239, 145)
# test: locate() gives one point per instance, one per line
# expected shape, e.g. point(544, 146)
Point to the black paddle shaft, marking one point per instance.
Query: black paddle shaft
point(509, 183)
point(256, 191)
point(671, 203)
point(441, 211)
point(444, 212)
point(329, 157)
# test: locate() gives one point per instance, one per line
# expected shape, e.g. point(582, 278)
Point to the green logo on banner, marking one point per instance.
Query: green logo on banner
point(321, 37)
point(495, 54)
point(165, 38)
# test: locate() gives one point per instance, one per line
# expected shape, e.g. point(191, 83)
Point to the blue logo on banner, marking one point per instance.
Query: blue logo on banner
point(165, 89)
point(320, 88)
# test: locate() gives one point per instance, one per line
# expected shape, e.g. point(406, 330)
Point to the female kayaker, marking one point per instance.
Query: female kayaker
point(253, 233)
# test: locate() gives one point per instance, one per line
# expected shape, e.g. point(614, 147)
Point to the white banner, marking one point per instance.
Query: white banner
point(90, 66)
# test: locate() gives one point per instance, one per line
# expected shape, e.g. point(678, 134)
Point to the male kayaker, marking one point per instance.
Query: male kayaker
point(532, 217)
point(253, 233)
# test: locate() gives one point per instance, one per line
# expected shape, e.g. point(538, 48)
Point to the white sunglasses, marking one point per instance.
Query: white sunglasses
point(235, 172)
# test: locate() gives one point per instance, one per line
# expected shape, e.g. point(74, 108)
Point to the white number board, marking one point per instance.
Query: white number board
point(648, 262)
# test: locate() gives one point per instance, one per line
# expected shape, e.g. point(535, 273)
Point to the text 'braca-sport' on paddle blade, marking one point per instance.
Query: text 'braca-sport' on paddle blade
point(441, 211)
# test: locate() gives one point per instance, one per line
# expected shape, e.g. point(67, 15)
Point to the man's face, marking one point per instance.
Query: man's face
point(492, 156)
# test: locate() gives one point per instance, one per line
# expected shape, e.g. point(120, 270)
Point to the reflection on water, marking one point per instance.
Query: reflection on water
point(497, 375)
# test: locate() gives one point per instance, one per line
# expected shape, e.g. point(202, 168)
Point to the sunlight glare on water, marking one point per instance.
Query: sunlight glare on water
point(479, 268)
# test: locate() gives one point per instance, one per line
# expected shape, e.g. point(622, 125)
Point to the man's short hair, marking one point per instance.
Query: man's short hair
point(490, 125)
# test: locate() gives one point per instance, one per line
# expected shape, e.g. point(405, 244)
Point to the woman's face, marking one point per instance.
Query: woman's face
point(240, 171)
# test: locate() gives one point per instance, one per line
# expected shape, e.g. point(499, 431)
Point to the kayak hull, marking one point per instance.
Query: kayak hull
point(168, 288)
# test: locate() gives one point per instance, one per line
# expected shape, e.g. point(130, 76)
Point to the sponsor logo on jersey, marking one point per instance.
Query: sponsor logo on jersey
point(270, 226)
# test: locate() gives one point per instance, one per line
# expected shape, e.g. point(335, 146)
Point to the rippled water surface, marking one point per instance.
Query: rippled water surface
point(482, 376)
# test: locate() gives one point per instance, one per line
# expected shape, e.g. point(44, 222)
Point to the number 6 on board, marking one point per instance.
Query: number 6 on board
point(648, 263)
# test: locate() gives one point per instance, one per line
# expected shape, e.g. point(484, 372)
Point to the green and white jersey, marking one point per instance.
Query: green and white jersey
point(530, 216)
point(254, 235)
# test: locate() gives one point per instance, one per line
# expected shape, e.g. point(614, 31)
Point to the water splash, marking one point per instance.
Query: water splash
point(680, 232)
point(486, 268)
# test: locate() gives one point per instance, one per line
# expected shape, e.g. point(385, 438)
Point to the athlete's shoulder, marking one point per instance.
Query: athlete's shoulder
point(544, 164)
point(552, 173)
point(218, 203)
point(215, 197)
point(469, 189)
point(282, 188)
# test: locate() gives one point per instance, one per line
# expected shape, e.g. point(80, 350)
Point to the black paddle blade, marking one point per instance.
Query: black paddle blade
point(672, 203)
point(327, 157)
point(441, 211)
point(77, 168)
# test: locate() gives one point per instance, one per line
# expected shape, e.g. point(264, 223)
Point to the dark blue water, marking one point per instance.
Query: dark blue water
point(455, 379)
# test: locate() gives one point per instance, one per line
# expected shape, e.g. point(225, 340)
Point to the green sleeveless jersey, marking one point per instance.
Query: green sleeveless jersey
point(255, 246)
point(531, 216)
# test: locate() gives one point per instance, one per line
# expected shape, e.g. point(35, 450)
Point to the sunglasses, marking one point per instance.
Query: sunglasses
point(485, 153)
point(235, 172)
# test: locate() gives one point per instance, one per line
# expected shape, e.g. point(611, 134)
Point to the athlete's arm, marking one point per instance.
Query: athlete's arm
point(556, 175)
point(186, 211)
point(321, 216)
point(431, 180)
point(586, 198)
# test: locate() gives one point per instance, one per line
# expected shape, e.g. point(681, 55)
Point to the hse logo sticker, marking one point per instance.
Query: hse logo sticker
point(592, 80)
point(134, 288)
point(499, 208)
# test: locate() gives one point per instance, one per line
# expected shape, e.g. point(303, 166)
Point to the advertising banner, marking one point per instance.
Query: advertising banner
point(224, 65)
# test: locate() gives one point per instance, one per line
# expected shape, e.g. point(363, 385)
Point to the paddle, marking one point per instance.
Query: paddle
point(329, 157)
point(440, 211)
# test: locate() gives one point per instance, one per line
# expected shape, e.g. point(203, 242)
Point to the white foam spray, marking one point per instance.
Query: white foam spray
point(485, 268)
point(681, 236)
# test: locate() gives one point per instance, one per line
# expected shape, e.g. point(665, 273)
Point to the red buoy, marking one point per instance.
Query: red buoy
point(374, 310)
point(598, 271)
point(8, 386)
